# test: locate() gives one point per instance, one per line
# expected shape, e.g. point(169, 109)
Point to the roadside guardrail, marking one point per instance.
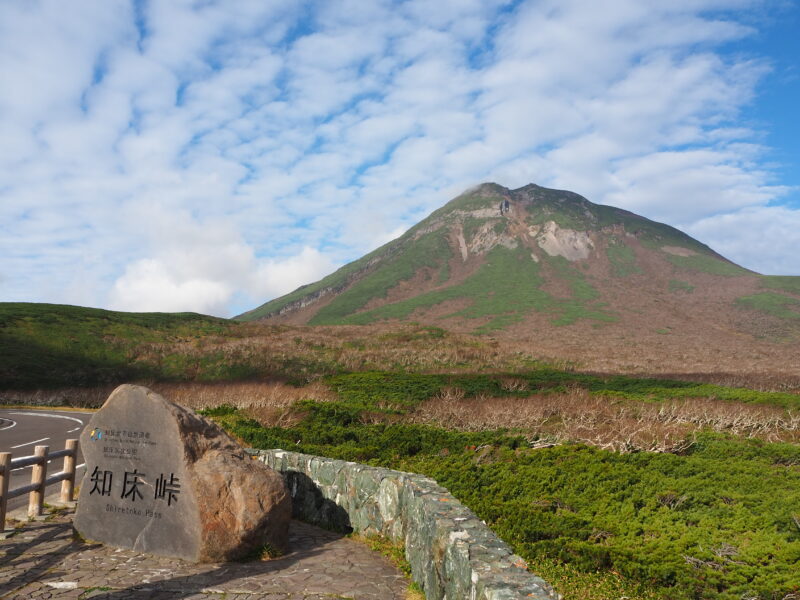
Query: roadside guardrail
point(39, 479)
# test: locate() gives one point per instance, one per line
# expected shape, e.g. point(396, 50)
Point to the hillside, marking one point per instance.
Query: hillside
point(609, 485)
point(519, 263)
point(53, 345)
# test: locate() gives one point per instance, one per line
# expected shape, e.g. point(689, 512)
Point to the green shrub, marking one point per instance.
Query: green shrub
point(716, 523)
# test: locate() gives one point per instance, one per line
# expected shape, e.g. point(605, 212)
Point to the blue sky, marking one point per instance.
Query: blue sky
point(775, 110)
point(208, 156)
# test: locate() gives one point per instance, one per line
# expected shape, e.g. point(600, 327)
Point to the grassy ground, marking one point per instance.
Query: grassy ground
point(609, 485)
point(53, 346)
point(623, 260)
point(707, 264)
point(677, 285)
point(70, 349)
point(786, 283)
point(505, 289)
point(715, 518)
point(45, 345)
point(777, 305)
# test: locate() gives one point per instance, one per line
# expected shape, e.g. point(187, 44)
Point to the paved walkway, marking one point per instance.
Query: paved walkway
point(44, 561)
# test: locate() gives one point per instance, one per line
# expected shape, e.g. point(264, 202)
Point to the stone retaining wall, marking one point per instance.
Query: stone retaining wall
point(452, 553)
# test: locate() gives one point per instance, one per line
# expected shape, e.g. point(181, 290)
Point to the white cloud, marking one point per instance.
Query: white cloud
point(203, 266)
point(683, 187)
point(201, 156)
point(276, 277)
point(764, 238)
point(173, 284)
point(150, 285)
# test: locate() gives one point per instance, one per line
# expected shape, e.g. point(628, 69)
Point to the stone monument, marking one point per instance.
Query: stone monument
point(163, 480)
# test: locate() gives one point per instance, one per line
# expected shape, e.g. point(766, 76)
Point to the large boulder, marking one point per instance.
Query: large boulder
point(163, 480)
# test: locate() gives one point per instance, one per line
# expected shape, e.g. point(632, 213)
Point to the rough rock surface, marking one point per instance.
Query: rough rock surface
point(572, 245)
point(163, 480)
point(453, 555)
point(44, 562)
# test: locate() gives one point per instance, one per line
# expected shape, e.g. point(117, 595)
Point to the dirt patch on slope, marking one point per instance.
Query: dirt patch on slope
point(569, 243)
point(678, 251)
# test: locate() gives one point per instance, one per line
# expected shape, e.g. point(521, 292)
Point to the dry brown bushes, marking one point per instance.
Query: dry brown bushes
point(307, 353)
point(764, 367)
point(243, 395)
point(544, 419)
point(609, 423)
point(74, 397)
point(268, 403)
point(375, 347)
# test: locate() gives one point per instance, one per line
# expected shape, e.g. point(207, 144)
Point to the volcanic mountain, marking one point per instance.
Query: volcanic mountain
point(541, 262)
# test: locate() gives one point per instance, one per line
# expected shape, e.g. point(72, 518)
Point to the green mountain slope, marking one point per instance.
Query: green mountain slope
point(493, 258)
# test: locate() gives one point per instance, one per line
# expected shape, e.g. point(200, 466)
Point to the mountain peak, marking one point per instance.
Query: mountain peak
point(525, 259)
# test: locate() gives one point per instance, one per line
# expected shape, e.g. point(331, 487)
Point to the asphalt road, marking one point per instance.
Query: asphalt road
point(21, 430)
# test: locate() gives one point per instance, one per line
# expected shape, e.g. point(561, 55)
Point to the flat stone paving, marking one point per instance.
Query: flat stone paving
point(44, 561)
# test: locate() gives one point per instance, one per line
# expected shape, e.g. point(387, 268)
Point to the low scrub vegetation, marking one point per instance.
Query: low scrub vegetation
point(45, 345)
point(777, 305)
point(608, 423)
point(622, 259)
point(678, 285)
point(53, 346)
point(58, 348)
point(503, 291)
point(704, 263)
point(610, 486)
point(786, 283)
point(641, 493)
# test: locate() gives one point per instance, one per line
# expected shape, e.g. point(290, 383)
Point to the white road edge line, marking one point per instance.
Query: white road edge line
point(71, 430)
point(30, 443)
point(37, 414)
point(13, 424)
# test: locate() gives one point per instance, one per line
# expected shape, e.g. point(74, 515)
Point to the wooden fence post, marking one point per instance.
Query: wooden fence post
point(38, 476)
point(5, 476)
point(68, 485)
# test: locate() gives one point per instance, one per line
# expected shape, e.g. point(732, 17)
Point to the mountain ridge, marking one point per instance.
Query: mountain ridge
point(494, 257)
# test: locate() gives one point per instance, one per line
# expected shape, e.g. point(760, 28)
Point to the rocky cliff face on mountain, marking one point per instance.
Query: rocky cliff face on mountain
point(534, 260)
